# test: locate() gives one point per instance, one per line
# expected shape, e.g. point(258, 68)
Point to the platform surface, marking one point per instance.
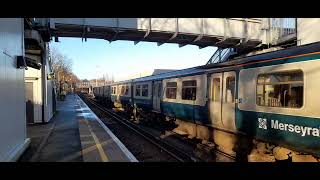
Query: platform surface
point(75, 134)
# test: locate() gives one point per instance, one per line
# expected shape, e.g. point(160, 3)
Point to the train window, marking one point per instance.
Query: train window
point(280, 89)
point(189, 90)
point(126, 91)
point(122, 90)
point(138, 90)
point(230, 87)
point(171, 91)
point(114, 89)
point(144, 90)
point(216, 89)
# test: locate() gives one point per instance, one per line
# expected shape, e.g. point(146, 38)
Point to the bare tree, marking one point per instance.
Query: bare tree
point(62, 68)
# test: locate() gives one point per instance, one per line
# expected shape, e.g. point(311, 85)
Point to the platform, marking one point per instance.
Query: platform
point(75, 134)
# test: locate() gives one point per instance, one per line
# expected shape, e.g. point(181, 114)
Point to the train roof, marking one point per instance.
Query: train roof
point(292, 51)
point(122, 82)
point(189, 71)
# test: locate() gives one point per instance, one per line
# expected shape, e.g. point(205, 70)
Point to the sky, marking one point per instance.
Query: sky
point(123, 60)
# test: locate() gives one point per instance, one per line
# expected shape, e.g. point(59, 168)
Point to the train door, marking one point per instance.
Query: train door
point(156, 95)
point(222, 100)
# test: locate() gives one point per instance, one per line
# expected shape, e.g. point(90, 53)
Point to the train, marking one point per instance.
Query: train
point(263, 107)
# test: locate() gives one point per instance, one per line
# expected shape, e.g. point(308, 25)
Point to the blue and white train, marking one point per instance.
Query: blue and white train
point(262, 107)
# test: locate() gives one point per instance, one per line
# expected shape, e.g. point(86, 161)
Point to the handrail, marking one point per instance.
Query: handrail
point(281, 28)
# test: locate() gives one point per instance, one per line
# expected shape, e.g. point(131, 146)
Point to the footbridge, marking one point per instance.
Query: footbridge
point(230, 35)
point(242, 33)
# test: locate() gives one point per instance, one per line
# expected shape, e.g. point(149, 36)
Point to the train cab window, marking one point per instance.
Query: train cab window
point(189, 90)
point(138, 90)
point(280, 89)
point(216, 89)
point(230, 88)
point(171, 91)
point(145, 90)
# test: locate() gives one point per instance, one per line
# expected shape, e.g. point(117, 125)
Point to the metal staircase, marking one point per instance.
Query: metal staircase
point(221, 55)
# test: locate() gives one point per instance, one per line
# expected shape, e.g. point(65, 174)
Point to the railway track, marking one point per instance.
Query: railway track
point(217, 153)
point(163, 146)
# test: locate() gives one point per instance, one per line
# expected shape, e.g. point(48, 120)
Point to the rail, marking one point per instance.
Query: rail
point(281, 28)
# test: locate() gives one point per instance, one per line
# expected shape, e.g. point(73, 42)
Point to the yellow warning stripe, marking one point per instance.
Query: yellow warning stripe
point(103, 156)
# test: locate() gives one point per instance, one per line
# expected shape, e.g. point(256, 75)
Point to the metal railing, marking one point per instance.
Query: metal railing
point(281, 28)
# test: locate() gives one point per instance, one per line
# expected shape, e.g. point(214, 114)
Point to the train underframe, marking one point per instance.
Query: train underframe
point(243, 148)
point(153, 119)
point(105, 102)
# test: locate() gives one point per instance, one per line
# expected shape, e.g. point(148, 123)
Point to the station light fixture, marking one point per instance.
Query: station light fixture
point(21, 63)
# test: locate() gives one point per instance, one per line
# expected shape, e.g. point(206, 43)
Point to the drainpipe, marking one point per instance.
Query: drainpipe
point(43, 82)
